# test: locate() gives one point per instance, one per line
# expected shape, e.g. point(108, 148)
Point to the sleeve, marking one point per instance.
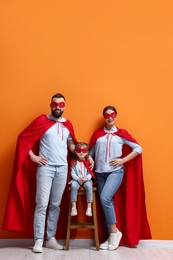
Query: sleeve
point(88, 176)
point(135, 147)
point(74, 175)
point(69, 137)
point(92, 151)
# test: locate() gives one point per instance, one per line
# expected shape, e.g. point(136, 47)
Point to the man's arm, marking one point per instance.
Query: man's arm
point(37, 159)
point(71, 145)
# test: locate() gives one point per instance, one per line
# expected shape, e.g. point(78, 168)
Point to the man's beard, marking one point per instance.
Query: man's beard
point(57, 113)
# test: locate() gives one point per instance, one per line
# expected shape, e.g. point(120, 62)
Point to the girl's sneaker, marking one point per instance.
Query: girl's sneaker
point(73, 211)
point(89, 212)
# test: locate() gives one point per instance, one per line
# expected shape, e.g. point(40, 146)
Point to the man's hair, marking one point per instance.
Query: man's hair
point(109, 107)
point(58, 95)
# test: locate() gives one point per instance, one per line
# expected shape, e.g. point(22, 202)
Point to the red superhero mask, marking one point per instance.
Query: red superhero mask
point(81, 150)
point(113, 115)
point(57, 104)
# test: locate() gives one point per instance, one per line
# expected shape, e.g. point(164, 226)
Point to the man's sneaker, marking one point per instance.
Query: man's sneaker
point(114, 240)
point(89, 212)
point(53, 244)
point(38, 247)
point(73, 211)
point(104, 245)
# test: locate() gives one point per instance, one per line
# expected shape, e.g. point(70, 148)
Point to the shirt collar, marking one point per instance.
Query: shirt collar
point(51, 117)
point(113, 129)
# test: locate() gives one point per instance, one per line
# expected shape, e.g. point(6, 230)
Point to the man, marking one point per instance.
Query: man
point(46, 140)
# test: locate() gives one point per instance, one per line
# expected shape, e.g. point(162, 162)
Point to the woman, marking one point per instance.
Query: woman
point(107, 147)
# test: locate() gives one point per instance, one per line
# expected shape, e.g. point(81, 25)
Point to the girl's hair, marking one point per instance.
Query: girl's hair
point(79, 144)
point(109, 107)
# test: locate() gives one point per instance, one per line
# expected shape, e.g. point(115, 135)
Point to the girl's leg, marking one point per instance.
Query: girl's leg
point(89, 192)
point(74, 190)
point(89, 196)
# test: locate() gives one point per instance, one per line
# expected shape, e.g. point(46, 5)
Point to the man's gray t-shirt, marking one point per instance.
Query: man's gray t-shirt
point(53, 144)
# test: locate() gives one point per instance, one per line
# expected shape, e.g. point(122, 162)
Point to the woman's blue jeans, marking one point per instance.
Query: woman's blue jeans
point(51, 182)
point(108, 184)
point(87, 186)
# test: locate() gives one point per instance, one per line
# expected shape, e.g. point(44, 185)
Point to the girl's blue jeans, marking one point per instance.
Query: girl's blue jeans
point(87, 186)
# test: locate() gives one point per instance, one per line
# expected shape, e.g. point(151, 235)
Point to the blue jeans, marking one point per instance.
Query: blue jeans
point(108, 184)
point(87, 186)
point(51, 182)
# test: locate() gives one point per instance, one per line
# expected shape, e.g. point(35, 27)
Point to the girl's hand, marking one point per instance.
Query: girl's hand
point(80, 181)
point(84, 179)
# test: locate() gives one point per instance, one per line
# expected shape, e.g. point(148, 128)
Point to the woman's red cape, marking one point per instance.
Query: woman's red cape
point(129, 201)
point(21, 200)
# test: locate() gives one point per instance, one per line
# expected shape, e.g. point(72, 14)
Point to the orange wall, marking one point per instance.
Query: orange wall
point(96, 53)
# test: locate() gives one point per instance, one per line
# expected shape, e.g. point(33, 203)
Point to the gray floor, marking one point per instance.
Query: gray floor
point(20, 250)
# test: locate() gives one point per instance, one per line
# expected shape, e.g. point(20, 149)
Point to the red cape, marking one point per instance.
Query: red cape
point(21, 200)
point(86, 164)
point(129, 200)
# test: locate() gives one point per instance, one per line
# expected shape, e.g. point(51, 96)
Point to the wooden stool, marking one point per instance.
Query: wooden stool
point(93, 225)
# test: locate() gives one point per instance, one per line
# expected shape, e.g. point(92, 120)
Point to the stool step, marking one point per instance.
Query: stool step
point(88, 225)
point(82, 225)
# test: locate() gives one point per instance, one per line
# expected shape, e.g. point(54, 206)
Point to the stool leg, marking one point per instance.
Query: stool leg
point(68, 229)
point(95, 222)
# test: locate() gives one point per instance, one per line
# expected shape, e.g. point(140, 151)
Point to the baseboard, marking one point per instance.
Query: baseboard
point(84, 242)
point(156, 243)
point(30, 242)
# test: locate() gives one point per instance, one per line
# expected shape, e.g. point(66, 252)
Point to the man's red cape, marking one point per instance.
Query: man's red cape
point(129, 201)
point(21, 200)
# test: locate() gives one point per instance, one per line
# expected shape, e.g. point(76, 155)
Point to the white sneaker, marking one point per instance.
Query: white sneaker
point(114, 240)
point(104, 245)
point(89, 212)
point(53, 244)
point(38, 247)
point(73, 211)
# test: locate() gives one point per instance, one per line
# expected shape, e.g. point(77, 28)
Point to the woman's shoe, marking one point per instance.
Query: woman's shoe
point(114, 240)
point(104, 245)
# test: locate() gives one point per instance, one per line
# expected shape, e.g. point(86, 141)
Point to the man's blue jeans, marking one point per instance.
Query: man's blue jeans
point(108, 184)
point(51, 182)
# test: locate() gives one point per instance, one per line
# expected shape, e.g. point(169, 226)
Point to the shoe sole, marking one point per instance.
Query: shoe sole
point(104, 248)
point(114, 248)
point(37, 251)
point(59, 248)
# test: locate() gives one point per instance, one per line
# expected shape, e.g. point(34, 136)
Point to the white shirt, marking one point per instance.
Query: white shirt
point(109, 147)
point(53, 143)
